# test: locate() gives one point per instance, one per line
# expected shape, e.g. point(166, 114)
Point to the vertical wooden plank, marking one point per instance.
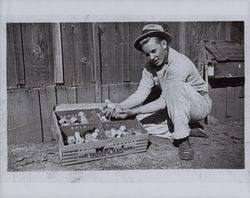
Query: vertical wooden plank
point(238, 105)
point(11, 59)
point(136, 59)
point(15, 67)
point(192, 47)
point(86, 94)
point(97, 62)
point(77, 45)
point(182, 38)
point(228, 31)
point(105, 92)
point(68, 54)
point(221, 31)
point(237, 34)
point(194, 36)
point(112, 53)
point(24, 121)
point(202, 60)
point(65, 95)
point(133, 87)
point(242, 92)
point(119, 92)
point(57, 51)
point(235, 105)
point(47, 102)
point(38, 54)
point(174, 29)
point(84, 55)
point(230, 101)
point(125, 56)
point(211, 29)
point(218, 97)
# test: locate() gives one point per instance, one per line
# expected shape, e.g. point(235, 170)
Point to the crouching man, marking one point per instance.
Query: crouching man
point(184, 92)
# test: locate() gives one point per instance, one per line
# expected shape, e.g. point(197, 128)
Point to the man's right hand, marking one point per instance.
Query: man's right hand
point(117, 111)
point(107, 112)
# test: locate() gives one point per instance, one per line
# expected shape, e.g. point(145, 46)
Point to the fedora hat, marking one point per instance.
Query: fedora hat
point(152, 30)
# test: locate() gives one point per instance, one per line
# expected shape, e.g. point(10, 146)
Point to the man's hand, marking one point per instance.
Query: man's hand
point(111, 110)
point(108, 112)
point(118, 109)
point(126, 113)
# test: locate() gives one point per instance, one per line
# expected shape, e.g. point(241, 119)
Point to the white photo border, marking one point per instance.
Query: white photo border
point(132, 183)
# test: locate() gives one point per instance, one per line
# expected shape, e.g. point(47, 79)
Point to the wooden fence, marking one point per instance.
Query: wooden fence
point(49, 64)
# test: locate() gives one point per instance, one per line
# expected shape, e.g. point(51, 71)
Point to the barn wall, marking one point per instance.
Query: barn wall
point(49, 64)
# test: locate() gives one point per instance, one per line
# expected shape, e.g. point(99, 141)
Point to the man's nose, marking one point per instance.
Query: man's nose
point(152, 57)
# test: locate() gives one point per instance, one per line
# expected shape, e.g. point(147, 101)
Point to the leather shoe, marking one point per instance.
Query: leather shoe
point(185, 151)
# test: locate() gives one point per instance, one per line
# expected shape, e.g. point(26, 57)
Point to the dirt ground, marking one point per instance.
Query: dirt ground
point(224, 149)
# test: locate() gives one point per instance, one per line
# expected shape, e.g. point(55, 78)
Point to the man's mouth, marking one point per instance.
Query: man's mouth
point(156, 62)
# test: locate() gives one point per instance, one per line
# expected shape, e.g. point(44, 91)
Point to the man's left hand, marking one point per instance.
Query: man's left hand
point(124, 114)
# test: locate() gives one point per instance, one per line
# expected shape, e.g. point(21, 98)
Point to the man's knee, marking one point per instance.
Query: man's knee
point(176, 91)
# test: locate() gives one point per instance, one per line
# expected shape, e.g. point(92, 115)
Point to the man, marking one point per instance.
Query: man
point(184, 92)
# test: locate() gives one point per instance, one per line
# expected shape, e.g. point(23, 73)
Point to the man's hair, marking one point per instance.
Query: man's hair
point(144, 41)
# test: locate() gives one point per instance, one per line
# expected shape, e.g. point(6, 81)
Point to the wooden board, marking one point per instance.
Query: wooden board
point(15, 67)
point(174, 30)
point(86, 94)
point(77, 45)
point(218, 97)
point(214, 30)
point(58, 65)
point(136, 59)
point(97, 62)
point(229, 70)
point(198, 32)
point(24, 121)
point(234, 104)
point(118, 92)
point(47, 98)
point(230, 101)
point(237, 28)
point(105, 93)
point(38, 54)
point(65, 95)
point(112, 52)
point(182, 38)
point(125, 55)
point(239, 104)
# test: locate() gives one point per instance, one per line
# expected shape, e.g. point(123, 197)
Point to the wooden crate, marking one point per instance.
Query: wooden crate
point(89, 113)
point(104, 147)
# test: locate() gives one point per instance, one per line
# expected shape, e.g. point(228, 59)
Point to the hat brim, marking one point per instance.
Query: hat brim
point(163, 35)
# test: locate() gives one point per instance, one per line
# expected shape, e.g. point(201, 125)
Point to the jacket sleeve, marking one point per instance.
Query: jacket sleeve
point(154, 106)
point(142, 92)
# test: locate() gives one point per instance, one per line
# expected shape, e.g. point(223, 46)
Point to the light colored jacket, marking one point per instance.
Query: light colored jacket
point(177, 68)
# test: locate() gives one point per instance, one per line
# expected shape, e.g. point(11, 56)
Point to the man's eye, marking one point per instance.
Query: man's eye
point(153, 51)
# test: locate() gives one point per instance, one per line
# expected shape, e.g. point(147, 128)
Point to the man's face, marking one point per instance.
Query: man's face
point(155, 51)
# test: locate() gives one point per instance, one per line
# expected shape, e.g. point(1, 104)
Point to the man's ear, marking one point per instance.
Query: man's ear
point(164, 44)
